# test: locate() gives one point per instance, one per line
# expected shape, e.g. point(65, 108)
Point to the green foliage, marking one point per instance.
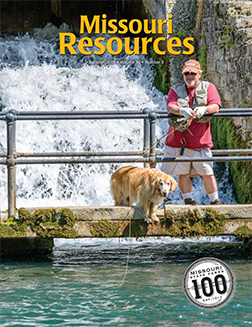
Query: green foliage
point(202, 58)
point(246, 104)
point(225, 136)
point(228, 39)
point(181, 33)
point(161, 79)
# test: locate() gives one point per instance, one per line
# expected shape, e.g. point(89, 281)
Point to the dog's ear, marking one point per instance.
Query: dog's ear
point(156, 184)
point(174, 184)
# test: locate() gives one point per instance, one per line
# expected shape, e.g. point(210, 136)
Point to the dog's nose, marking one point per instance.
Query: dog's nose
point(164, 194)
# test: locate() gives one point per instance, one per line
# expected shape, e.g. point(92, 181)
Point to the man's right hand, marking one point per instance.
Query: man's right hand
point(186, 112)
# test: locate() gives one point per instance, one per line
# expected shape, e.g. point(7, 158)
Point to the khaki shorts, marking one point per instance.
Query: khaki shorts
point(191, 168)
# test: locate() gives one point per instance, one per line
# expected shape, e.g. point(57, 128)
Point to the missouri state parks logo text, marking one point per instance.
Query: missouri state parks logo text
point(208, 283)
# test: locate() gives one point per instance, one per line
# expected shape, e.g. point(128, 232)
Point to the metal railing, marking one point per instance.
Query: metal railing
point(147, 156)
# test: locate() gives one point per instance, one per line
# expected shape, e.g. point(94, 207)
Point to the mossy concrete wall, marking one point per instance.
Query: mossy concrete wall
point(32, 232)
point(175, 220)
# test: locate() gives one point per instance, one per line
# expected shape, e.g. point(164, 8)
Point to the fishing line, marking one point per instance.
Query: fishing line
point(128, 254)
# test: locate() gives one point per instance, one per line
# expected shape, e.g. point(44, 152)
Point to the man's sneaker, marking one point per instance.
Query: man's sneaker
point(217, 201)
point(190, 201)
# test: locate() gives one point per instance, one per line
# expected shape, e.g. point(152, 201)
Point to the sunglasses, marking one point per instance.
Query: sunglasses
point(187, 73)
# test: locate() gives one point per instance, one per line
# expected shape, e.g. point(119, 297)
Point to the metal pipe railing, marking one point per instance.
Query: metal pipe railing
point(10, 162)
point(147, 156)
point(111, 154)
point(86, 115)
point(146, 138)
point(200, 159)
point(79, 154)
point(25, 161)
point(81, 117)
point(152, 153)
point(108, 112)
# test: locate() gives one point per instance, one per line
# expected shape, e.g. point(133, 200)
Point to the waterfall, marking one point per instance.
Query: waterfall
point(34, 77)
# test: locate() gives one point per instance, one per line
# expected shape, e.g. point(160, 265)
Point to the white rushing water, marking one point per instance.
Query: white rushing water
point(61, 243)
point(34, 77)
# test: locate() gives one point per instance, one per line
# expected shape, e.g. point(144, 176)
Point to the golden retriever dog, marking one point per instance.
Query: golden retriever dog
point(141, 186)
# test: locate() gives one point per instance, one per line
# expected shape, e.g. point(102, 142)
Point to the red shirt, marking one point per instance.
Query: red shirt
point(199, 136)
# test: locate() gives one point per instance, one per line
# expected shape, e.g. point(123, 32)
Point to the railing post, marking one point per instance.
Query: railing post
point(10, 162)
point(146, 143)
point(153, 119)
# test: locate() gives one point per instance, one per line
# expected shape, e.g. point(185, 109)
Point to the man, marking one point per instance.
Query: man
point(192, 100)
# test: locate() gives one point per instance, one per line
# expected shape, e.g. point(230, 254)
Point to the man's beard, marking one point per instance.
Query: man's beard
point(191, 83)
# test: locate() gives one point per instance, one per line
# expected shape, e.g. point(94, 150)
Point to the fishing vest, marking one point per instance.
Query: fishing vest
point(199, 100)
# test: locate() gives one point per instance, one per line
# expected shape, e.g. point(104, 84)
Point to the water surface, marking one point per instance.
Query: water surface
point(78, 285)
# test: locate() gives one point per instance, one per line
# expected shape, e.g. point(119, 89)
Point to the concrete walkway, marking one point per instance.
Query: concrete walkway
point(231, 219)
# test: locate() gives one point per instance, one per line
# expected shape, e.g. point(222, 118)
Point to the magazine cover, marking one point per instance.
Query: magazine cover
point(125, 162)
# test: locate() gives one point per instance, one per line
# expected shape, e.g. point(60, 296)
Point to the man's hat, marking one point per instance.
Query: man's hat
point(191, 66)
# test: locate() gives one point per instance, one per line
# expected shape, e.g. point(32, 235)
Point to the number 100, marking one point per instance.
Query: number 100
point(208, 291)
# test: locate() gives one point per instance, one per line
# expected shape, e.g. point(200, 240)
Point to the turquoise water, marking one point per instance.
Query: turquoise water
point(78, 286)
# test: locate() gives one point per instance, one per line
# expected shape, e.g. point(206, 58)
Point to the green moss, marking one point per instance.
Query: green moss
point(161, 66)
point(7, 231)
point(170, 215)
point(23, 214)
point(243, 233)
point(44, 215)
point(66, 218)
point(224, 134)
point(193, 223)
point(134, 229)
point(44, 222)
point(12, 228)
point(48, 223)
point(105, 228)
point(55, 230)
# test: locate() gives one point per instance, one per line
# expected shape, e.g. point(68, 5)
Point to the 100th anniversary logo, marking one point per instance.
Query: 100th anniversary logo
point(208, 283)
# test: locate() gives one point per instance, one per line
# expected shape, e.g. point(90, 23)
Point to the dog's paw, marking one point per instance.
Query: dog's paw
point(147, 219)
point(154, 218)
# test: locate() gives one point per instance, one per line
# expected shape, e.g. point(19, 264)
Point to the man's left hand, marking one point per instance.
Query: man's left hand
point(200, 111)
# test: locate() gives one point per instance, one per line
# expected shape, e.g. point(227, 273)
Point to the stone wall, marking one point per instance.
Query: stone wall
point(226, 38)
point(226, 31)
point(184, 15)
point(224, 47)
